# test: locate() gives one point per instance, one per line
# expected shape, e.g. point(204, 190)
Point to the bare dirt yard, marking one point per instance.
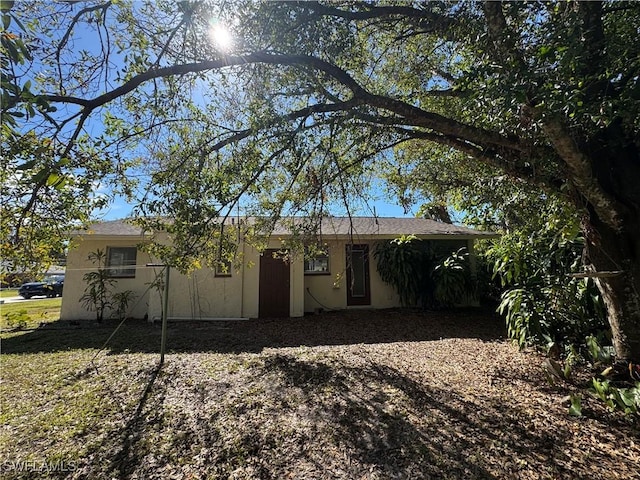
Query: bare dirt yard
point(342, 395)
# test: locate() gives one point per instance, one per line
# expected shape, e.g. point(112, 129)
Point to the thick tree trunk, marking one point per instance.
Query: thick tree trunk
point(616, 248)
point(614, 256)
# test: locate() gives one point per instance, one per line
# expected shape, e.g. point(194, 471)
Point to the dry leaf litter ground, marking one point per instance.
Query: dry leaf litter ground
point(343, 395)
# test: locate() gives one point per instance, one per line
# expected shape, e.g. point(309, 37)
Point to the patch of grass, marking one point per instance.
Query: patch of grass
point(29, 313)
point(8, 292)
point(58, 407)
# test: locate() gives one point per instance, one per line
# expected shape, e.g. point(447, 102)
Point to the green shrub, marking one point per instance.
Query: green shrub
point(120, 302)
point(424, 273)
point(17, 320)
point(452, 279)
point(617, 398)
point(99, 295)
point(405, 264)
point(542, 302)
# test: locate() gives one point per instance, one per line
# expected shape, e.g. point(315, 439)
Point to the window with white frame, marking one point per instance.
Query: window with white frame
point(121, 261)
point(316, 261)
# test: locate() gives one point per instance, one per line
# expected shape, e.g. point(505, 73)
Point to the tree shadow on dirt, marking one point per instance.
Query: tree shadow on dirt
point(289, 417)
point(385, 422)
point(331, 328)
point(128, 456)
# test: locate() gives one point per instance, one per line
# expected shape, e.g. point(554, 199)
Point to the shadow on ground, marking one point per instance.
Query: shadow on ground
point(331, 328)
point(369, 412)
point(283, 416)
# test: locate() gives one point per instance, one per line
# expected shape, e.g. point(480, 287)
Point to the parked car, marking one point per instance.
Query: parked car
point(49, 288)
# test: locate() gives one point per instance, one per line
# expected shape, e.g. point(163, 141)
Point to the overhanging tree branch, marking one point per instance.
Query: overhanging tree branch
point(409, 114)
point(423, 18)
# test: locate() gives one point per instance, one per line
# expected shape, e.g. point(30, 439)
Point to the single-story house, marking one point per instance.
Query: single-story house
point(264, 285)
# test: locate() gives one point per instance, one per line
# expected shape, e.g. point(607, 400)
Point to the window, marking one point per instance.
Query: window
point(223, 268)
point(316, 261)
point(121, 261)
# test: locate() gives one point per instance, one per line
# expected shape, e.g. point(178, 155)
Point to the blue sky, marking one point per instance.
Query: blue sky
point(119, 208)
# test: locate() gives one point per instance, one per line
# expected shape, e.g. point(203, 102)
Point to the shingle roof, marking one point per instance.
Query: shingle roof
point(388, 226)
point(109, 228)
point(341, 226)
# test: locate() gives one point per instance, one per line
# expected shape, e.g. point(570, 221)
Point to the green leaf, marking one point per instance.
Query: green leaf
point(53, 180)
point(575, 409)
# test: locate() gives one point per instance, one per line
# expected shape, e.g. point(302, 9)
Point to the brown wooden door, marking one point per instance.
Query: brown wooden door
point(358, 284)
point(274, 286)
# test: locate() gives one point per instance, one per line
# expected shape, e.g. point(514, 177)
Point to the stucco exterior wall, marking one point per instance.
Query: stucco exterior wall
point(297, 285)
point(330, 291)
point(327, 291)
point(78, 264)
point(251, 283)
point(202, 294)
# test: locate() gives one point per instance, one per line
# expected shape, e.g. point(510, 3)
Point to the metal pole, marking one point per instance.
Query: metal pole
point(165, 307)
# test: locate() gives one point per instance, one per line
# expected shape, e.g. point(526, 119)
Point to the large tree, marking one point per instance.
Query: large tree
point(309, 97)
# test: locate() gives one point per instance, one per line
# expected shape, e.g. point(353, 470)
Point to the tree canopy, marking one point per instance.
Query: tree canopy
point(304, 101)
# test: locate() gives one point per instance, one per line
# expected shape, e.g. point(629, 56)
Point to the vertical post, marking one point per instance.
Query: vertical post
point(165, 308)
